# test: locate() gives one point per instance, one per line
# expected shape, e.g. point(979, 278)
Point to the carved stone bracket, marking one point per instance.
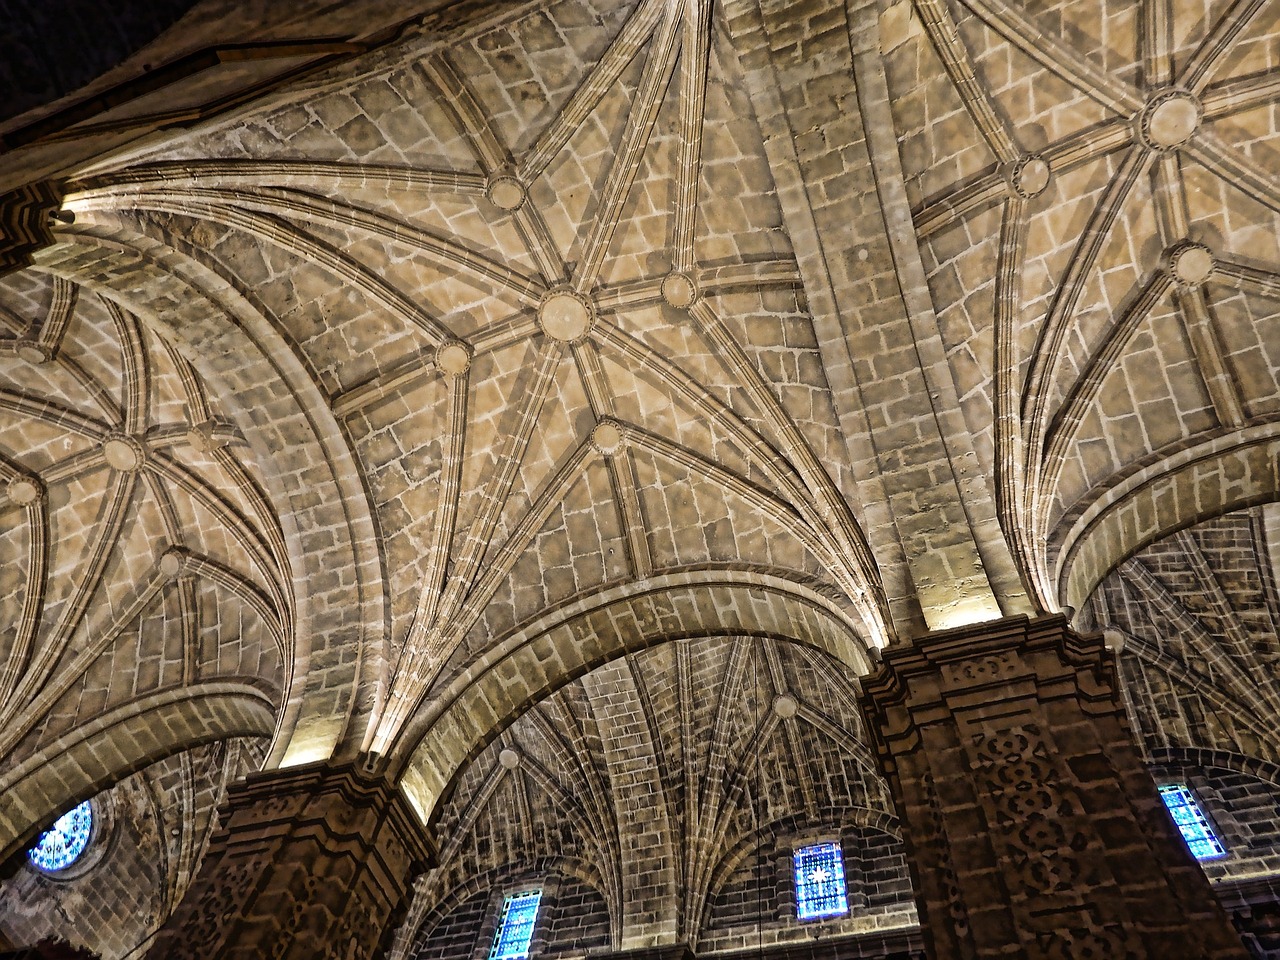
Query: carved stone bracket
point(310, 862)
point(1029, 817)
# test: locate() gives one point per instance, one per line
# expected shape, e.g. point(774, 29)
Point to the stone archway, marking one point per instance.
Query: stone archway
point(534, 662)
point(122, 742)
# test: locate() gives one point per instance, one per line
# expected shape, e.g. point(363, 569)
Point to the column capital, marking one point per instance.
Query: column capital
point(957, 669)
point(296, 797)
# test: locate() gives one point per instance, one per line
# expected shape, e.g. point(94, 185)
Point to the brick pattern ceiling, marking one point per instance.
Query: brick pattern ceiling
point(341, 397)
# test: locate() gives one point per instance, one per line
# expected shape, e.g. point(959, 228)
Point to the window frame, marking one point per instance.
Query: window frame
point(508, 885)
point(101, 841)
point(1210, 827)
point(799, 849)
point(509, 899)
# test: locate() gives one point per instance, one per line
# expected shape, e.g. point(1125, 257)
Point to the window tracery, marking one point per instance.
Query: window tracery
point(515, 927)
point(1194, 826)
point(63, 843)
point(820, 882)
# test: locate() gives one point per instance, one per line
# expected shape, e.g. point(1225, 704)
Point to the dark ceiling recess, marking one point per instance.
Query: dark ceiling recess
point(52, 48)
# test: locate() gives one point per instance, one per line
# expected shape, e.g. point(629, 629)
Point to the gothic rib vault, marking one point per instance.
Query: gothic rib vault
point(438, 407)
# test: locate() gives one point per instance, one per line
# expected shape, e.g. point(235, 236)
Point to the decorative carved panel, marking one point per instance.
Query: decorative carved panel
point(1029, 817)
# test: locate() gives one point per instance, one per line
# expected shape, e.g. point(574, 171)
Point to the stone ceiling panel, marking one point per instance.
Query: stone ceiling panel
point(567, 185)
point(1039, 104)
point(1104, 30)
point(742, 737)
point(1252, 345)
point(526, 70)
point(583, 296)
point(1240, 225)
point(1198, 612)
point(1259, 46)
point(937, 138)
point(1150, 177)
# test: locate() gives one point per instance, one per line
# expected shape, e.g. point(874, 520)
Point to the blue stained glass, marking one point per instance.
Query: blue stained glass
point(820, 888)
point(515, 929)
point(1196, 830)
point(60, 845)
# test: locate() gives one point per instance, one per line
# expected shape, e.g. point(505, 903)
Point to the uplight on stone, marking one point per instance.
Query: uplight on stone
point(564, 316)
point(1170, 119)
point(453, 358)
point(122, 454)
point(23, 492)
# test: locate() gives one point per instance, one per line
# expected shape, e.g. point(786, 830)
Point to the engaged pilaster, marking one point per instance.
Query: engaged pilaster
point(1030, 820)
point(310, 862)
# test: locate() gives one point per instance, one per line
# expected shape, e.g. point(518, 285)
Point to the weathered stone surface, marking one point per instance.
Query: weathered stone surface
point(395, 401)
point(1030, 818)
point(310, 862)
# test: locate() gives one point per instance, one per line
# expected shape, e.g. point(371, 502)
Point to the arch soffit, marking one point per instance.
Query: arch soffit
point(121, 742)
point(1228, 473)
point(459, 893)
point(277, 407)
point(536, 661)
point(1205, 758)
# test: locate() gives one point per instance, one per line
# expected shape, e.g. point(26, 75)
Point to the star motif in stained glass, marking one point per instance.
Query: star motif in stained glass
point(820, 885)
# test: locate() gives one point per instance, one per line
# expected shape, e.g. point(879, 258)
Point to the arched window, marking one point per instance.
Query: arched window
point(63, 843)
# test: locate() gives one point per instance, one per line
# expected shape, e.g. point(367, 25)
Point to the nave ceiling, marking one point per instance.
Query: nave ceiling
point(371, 413)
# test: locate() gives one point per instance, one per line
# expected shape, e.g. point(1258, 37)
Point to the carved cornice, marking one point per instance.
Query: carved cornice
point(298, 797)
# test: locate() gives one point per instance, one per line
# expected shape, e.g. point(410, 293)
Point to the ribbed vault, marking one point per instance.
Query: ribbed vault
point(482, 395)
point(1094, 190)
point(1198, 613)
point(541, 405)
point(661, 770)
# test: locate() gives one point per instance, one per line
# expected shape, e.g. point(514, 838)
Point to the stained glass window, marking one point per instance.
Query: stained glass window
point(1196, 829)
point(60, 845)
point(515, 928)
point(820, 889)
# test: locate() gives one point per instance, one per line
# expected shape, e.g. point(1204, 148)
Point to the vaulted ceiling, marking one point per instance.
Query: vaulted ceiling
point(370, 413)
point(661, 772)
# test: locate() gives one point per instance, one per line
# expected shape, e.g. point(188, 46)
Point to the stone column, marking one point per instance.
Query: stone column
point(1032, 827)
point(311, 862)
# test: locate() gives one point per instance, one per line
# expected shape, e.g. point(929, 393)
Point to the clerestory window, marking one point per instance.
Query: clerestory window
point(62, 844)
point(1193, 824)
point(515, 926)
point(820, 884)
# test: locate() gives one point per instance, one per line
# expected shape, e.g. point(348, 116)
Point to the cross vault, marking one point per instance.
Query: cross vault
point(601, 446)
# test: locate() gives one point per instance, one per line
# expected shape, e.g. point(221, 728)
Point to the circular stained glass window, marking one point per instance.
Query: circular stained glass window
point(60, 845)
